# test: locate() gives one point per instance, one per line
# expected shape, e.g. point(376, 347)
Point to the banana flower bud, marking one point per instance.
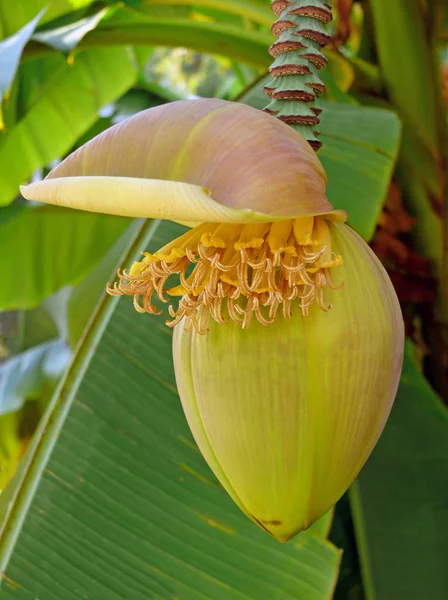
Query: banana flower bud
point(285, 398)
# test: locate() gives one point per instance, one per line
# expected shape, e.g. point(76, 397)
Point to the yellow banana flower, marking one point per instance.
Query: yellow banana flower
point(285, 397)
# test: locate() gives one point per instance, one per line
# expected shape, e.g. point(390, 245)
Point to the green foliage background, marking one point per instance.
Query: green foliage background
point(105, 495)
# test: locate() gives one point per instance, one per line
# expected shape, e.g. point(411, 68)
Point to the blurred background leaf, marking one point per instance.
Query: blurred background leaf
point(67, 37)
point(67, 107)
point(23, 376)
point(40, 261)
point(10, 51)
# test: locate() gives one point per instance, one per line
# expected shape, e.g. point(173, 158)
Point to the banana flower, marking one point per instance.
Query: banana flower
point(285, 398)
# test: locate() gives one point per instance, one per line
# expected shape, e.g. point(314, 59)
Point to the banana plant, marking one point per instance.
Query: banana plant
point(118, 494)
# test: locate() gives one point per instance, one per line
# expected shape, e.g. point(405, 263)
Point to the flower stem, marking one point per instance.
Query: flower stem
point(296, 85)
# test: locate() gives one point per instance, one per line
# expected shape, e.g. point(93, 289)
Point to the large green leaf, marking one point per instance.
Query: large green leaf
point(45, 248)
point(125, 506)
point(69, 106)
point(400, 498)
point(360, 146)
